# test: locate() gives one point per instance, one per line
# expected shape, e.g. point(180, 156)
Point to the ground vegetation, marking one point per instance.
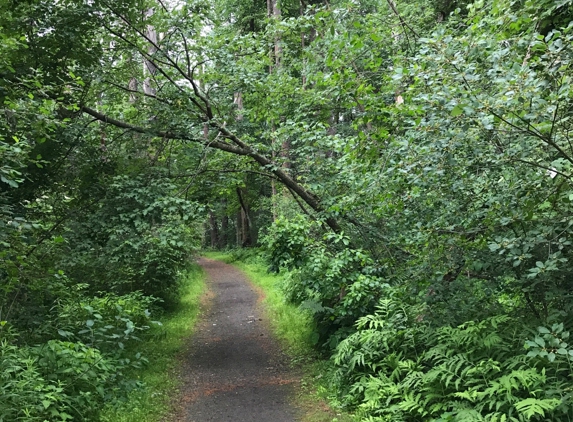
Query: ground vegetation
point(405, 165)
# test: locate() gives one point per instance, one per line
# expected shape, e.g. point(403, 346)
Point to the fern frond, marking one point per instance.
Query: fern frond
point(531, 407)
point(413, 380)
point(516, 380)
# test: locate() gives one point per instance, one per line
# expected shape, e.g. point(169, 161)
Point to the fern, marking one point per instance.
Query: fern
point(531, 407)
point(397, 370)
point(509, 384)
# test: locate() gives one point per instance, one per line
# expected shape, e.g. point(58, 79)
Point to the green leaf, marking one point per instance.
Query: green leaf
point(456, 111)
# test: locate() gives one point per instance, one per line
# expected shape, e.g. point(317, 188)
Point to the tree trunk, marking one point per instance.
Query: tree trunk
point(276, 13)
point(246, 239)
point(224, 235)
point(238, 229)
point(214, 230)
point(238, 101)
point(274, 199)
point(132, 90)
point(149, 67)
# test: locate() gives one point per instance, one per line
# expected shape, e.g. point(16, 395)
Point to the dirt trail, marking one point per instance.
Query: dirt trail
point(234, 370)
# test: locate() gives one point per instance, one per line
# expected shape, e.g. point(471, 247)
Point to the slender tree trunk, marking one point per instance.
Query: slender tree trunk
point(274, 11)
point(245, 227)
point(133, 86)
point(103, 135)
point(246, 239)
point(238, 229)
point(302, 43)
point(213, 230)
point(274, 190)
point(149, 67)
point(224, 235)
point(238, 100)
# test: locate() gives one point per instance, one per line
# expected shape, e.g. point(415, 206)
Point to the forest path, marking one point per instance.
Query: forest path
point(234, 370)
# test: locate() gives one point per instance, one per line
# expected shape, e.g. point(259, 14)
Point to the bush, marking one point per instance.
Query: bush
point(397, 368)
point(139, 234)
point(337, 283)
point(26, 395)
point(109, 323)
point(56, 381)
point(59, 380)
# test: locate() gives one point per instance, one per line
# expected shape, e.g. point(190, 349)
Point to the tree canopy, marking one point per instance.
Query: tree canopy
point(406, 164)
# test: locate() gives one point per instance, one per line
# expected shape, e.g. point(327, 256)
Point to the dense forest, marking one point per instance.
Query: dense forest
point(406, 165)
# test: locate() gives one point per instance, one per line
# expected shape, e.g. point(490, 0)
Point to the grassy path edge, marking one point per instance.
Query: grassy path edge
point(153, 403)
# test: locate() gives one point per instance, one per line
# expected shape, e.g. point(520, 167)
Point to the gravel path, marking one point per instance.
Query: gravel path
point(234, 370)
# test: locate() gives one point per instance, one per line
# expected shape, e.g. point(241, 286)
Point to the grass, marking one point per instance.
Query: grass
point(153, 402)
point(293, 327)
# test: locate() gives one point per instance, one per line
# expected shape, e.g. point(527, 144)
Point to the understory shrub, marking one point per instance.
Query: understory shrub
point(76, 299)
point(56, 381)
point(396, 367)
point(109, 323)
point(140, 234)
point(85, 363)
point(337, 283)
point(25, 394)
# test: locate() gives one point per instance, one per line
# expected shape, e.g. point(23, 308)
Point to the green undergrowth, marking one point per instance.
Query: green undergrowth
point(161, 348)
point(293, 327)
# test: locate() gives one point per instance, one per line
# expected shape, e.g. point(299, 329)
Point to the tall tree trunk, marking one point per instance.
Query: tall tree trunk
point(276, 14)
point(103, 135)
point(246, 239)
point(149, 67)
point(274, 11)
point(214, 230)
point(302, 43)
point(238, 229)
point(274, 199)
point(133, 90)
point(224, 235)
point(246, 230)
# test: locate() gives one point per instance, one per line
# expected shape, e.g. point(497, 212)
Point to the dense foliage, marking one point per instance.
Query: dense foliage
point(406, 164)
point(92, 235)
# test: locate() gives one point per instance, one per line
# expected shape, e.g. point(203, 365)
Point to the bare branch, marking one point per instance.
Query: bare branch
point(240, 148)
point(549, 169)
point(402, 21)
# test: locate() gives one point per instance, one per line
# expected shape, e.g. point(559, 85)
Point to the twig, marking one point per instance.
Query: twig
point(402, 21)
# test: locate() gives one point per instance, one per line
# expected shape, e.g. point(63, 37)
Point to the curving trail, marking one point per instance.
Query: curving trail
point(234, 370)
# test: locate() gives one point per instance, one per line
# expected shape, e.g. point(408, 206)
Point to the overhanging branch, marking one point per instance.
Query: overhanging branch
point(240, 148)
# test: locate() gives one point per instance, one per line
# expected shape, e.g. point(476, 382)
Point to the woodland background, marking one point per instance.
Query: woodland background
point(406, 165)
